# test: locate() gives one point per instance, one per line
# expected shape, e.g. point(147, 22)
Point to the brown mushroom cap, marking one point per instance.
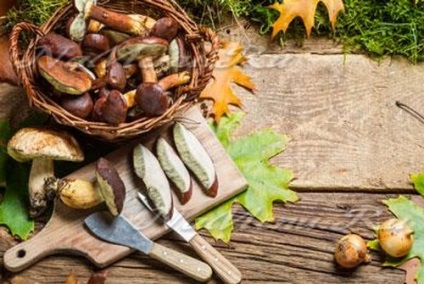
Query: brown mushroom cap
point(96, 43)
point(59, 46)
point(80, 106)
point(152, 99)
point(63, 77)
point(30, 143)
point(111, 186)
point(166, 28)
point(114, 108)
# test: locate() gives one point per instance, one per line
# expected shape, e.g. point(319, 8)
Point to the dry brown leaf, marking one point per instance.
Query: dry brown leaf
point(226, 72)
point(305, 9)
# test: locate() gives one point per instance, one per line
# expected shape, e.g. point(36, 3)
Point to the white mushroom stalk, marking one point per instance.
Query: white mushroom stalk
point(42, 146)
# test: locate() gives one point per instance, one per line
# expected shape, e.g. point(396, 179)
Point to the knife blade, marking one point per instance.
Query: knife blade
point(222, 266)
point(118, 230)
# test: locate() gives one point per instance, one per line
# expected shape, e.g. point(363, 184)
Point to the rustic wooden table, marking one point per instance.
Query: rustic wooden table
point(351, 148)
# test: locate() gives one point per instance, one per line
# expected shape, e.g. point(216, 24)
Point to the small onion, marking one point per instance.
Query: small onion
point(351, 251)
point(395, 237)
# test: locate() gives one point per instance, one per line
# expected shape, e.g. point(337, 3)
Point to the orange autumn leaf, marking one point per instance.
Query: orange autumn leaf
point(226, 72)
point(72, 279)
point(305, 9)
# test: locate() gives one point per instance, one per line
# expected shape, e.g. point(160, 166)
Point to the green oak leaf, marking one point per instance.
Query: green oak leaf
point(13, 209)
point(405, 209)
point(267, 183)
point(418, 181)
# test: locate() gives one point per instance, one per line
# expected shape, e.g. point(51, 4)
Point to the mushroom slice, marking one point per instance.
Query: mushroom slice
point(42, 146)
point(196, 158)
point(136, 48)
point(175, 170)
point(64, 77)
point(111, 186)
point(147, 167)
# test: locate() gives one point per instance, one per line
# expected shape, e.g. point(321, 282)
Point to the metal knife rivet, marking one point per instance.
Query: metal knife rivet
point(181, 260)
point(229, 272)
point(165, 253)
point(216, 259)
point(203, 247)
point(199, 269)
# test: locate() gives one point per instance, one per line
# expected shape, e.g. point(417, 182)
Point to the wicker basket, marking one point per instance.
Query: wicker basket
point(40, 96)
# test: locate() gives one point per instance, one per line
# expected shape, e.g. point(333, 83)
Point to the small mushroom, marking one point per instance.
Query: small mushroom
point(151, 95)
point(95, 43)
point(63, 76)
point(111, 186)
point(59, 46)
point(80, 106)
point(111, 108)
point(42, 146)
point(115, 76)
point(166, 28)
point(131, 24)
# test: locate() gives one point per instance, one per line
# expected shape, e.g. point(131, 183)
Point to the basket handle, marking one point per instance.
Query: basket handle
point(14, 50)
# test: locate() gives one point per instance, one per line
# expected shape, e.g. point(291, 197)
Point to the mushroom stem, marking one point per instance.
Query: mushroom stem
point(132, 24)
point(148, 70)
point(41, 170)
point(174, 80)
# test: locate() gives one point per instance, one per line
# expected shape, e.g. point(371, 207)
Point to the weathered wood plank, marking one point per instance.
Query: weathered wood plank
point(347, 133)
point(296, 248)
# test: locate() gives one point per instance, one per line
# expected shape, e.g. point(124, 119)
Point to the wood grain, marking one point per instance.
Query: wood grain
point(65, 233)
point(347, 133)
point(296, 248)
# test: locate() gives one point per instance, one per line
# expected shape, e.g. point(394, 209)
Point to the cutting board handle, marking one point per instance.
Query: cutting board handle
point(27, 253)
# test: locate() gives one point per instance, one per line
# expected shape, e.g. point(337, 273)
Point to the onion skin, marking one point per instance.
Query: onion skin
point(395, 237)
point(351, 251)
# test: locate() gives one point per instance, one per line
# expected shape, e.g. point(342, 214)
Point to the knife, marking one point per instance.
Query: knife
point(120, 231)
point(222, 266)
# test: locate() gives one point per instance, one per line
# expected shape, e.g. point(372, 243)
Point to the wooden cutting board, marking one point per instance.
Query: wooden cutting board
point(65, 232)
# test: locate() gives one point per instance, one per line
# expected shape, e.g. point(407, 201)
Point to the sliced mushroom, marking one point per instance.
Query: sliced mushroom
point(115, 37)
point(196, 158)
point(180, 58)
point(64, 77)
point(59, 46)
point(148, 169)
point(42, 146)
point(111, 186)
point(137, 48)
point(175, 170)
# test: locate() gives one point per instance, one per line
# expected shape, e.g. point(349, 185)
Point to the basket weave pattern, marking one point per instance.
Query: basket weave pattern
point(40, 95)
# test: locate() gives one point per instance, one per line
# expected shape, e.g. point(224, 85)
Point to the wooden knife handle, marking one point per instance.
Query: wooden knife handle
point(187, 265)
point(222, 266)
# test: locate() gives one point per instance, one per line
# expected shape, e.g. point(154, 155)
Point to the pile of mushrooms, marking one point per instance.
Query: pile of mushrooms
point(113, 67)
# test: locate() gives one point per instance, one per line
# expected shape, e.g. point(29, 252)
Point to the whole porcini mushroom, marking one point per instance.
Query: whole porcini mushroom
point(63, 76)
point(115, 76)
point(113, 109)
point(111, 186)
point(42, 146)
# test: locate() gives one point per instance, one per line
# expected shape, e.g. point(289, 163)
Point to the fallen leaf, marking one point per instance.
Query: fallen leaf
point(267, 183)
point(226, 72)
point(405, 209)
point(418, 182)
point(305, 9)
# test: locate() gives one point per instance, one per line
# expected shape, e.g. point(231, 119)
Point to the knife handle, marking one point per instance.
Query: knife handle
point(187, 265)
point(222, 266)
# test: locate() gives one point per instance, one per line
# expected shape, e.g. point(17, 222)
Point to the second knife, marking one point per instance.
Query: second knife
point(222, 266)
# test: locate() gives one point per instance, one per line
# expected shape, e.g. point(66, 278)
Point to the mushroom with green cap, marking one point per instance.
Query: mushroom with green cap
point(43, 147)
